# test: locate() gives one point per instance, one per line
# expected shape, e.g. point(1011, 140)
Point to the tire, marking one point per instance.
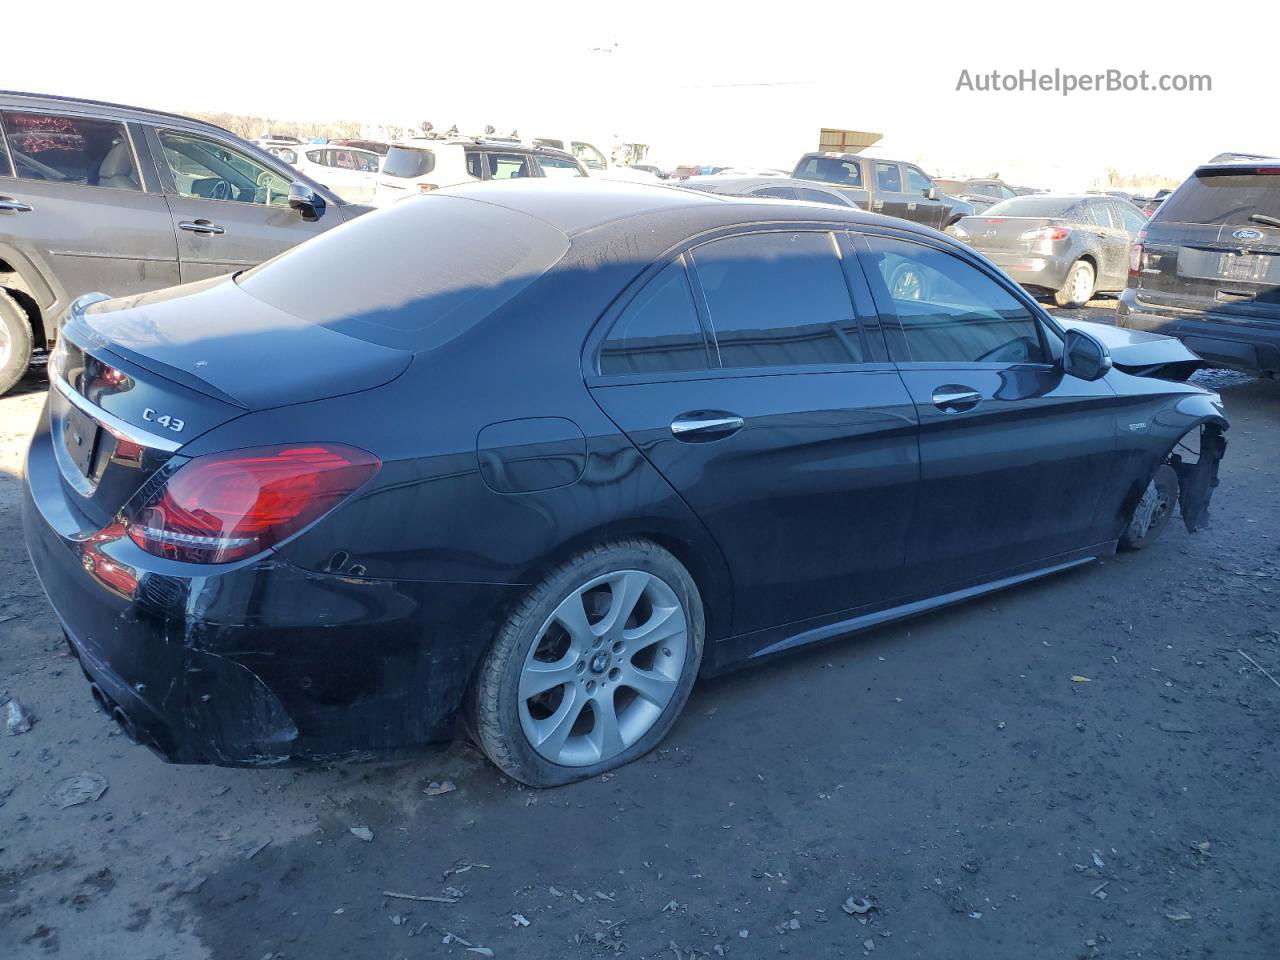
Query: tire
point(1153, 511)
point(15, 343)
point(1078, 288)
point(594, 663)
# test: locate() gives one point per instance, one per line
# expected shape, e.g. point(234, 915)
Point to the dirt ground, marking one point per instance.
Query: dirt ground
point(949, 774)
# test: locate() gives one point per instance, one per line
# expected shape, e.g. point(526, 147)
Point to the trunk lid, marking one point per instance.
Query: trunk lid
point(135, 379)
point(998, 234)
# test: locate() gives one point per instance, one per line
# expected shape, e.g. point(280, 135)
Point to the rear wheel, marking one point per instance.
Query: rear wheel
point(1078, 288)
point(591, 670)
point(1153, 511)
point(15, 342)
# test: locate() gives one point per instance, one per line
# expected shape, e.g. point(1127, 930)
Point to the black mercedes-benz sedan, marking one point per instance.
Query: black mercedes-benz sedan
point(535, 455)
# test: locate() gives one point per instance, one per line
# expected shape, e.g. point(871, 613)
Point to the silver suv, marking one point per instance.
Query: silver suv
point(96, 196)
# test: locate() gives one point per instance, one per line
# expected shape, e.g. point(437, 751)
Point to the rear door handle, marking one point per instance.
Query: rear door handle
point(201, 226)
point(953, 398)
point(700, 426)
point(10, 205)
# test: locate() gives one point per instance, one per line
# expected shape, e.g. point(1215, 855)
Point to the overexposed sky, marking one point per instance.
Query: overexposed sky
point(749, 85)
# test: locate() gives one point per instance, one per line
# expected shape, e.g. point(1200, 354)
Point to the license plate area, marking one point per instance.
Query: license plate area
point(80, 437)
point(1249, 267)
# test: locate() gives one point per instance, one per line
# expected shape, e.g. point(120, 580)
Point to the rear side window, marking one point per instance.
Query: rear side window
point(407, 163)
point(429, 268)
point(1031, 207)
point(1225, 200)
point(888, 178)
point(5, 169)
point(559, 167)
point(778, 299)
point(844, 173)
point(658, 332)
point(70, 150)
point(508, 166)
point(949, 311)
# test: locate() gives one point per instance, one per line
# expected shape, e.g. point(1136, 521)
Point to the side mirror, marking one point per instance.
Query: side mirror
point(932, 193)
point(1084, 356)
point(306, 201)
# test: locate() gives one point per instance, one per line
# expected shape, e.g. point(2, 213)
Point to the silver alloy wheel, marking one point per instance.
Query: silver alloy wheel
point(1082, 284)
point(603, 668)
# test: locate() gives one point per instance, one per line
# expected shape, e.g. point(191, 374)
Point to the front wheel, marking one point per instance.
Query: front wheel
point(592, 668)
point(1153, 511)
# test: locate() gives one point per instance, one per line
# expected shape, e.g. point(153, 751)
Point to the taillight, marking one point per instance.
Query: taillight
point(229, 506)
point(1045, 233)
point(1136, 251)
point(427, 187)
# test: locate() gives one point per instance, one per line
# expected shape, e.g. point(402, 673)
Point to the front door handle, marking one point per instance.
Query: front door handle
point(953, 398)
point(700, 426)
point(10, 205)
point(201, 226)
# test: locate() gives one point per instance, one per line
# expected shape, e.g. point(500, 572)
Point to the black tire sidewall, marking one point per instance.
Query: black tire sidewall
point(15, 322)
point(525, 763)
point(1063, 296)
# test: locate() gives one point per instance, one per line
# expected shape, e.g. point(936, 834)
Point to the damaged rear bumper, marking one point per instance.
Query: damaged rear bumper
point(262, 663)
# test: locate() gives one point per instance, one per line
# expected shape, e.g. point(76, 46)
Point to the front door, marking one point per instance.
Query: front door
point(784, 430)
point(1013, 452)
point(230, 211)
point(921, 207)
point(76, 200)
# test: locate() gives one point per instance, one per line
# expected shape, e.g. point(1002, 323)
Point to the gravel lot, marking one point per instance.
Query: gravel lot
point(947, 772)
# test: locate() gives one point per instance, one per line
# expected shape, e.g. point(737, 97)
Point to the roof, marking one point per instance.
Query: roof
point(729, 184)
point(1269, 163)
point(482, 143)
point(97, 106)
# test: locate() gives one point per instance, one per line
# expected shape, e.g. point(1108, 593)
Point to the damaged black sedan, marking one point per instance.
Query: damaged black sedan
point(534, 456)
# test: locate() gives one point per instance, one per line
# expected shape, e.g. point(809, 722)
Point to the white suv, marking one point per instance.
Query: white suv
point(350, 172)
point(422, 164)
point(594, 161)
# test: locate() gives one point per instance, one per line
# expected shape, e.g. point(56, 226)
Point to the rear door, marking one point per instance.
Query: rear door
point(890, 197)
point(75, 200)
point(777, 418)
point(1013, 453)
point(230, 210)
point(1214, 245)
point(1114, 243)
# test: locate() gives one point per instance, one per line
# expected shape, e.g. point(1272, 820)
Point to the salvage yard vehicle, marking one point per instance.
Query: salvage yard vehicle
point(421, 164)
point(980, 193)
point(1071, 246)
point(884, 186)
point(1206, 267)
point(347, 171)
point(779, 188)
point(562, 449)
point(97, 196)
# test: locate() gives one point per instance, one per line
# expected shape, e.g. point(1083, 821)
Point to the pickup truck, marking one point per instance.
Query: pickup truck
point(891, 187)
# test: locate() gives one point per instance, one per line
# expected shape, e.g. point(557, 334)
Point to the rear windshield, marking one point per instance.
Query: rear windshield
point(413, 276)
point(1223, 199)
point(1031, 207)
point(843, 173)
point(408, 162)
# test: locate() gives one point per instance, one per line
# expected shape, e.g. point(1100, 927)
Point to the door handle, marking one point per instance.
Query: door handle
point(700, 426)
point(953, 398)
point(201, 226)
point(10, 205)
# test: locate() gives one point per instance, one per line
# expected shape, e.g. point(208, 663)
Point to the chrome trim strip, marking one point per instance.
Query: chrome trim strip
point(111, 421)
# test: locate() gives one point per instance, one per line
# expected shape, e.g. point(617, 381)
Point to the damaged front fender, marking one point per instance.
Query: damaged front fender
point(1197, 480)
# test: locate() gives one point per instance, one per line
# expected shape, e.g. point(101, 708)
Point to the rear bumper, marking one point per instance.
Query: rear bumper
point(1223, 341)
point(1032, 270)
point(258, 663)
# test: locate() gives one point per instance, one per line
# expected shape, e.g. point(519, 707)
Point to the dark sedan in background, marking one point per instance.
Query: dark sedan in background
point(1206, 268)
point(1072, 247)
point(564, 447)
point(980, 193)
point(776, 188)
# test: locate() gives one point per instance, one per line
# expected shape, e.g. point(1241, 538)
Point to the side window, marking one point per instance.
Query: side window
point(822, 196)
point(475, 167)
point(70, 150)
point(559, 167)
point(344, 159)
point(5, 169)
point(1132, 218)
point(591, 158)
point(843, 173)
point(368, 162)
point(917, 182)
point(778, 299)
point(658, 332)
point(1098, 214)
point(208, 170)
point(888, 178)
point(319, 156)
point(949, 311)
point(1004, 192)
point(508, 166)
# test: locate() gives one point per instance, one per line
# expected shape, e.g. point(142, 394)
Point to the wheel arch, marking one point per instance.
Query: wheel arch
point(21, 278)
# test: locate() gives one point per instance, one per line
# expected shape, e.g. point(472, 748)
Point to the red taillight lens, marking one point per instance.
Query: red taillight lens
point(229, 506)
point(1135, 253)
point(427, 187)
point(1046, 233)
